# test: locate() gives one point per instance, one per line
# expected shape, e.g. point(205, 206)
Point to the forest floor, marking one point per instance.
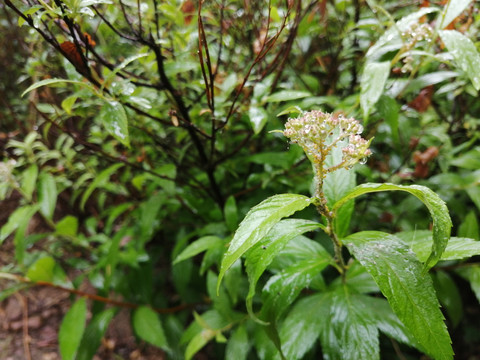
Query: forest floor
point(30, 319)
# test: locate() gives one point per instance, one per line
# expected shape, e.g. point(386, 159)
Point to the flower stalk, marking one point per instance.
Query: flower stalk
point(319, 134)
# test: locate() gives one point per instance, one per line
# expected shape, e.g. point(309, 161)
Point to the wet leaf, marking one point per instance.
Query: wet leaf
point(258, 222)
point(465, 54)
point(114, 118)
point(375, 75)
point(442, 223)
point(409, 291)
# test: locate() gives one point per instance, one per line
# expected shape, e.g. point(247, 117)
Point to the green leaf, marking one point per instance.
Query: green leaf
point(474, 194)
point(238, 344)
point(122, 66)
point(148, 327)
point(177, 67)
point(470, 160)
point(198, 246)
point(282, 289)
point(303, 324)
point(464, 52)
point(442, 223)
point(67, 104)
point(457, 248)
point(71, 330)
point(258, 259)
point(258, 118)
point(393, 35)
point(17, 219)
point(47, 194)
point(206, 327)
point(67, 226)
point(287, 95)
point(469, 227)
point(230, 213)
point(353, 327)
point(20, 240)
point(451, 11)
point(94, 333)
point(29, 180)
point(358, 279)
point(56, 81)
point(408, 290)
point(335, 186)
point(258, 222)
point(386, 320)
point(114, 118)
point(42, 269)
point(472, 274)
point(100, 180)
point(449, 296)
point(389, 110)
point(149, 214)
point(375, 75)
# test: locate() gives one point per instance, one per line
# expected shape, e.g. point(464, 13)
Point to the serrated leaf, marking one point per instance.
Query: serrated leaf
point(71, 330)
point(114, 118)
point(464, 52)
point(42, 269)
point(47, 194)
point(451, 11)
point(282, 289)
point(408, 290)
point(358, 279)
point(457, 248)
point(148, 327)
point(258, 259)
point(386, 320)
point(303, 324)
point(93, 334)
point(442, 223)
point(375, 75)
point(198, 246)
point(258, 222)
point(98, 181)
point(353, 327)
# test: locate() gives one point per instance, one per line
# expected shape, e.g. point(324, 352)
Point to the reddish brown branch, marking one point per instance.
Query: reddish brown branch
point(113, 302)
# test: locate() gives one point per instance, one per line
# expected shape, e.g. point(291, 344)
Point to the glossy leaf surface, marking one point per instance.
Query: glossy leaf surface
point(407, 288)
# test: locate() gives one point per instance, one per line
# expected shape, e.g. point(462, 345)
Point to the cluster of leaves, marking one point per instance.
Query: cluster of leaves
point(150, 140)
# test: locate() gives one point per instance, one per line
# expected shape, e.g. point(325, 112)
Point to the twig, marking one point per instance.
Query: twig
point(26, 339)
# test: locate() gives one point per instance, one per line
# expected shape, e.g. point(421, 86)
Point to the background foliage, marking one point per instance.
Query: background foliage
point(142, 138)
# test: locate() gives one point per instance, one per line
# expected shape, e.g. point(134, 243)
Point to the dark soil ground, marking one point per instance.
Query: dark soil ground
point(30, 319)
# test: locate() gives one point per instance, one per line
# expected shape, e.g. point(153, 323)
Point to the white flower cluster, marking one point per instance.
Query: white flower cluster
point(318, 133)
